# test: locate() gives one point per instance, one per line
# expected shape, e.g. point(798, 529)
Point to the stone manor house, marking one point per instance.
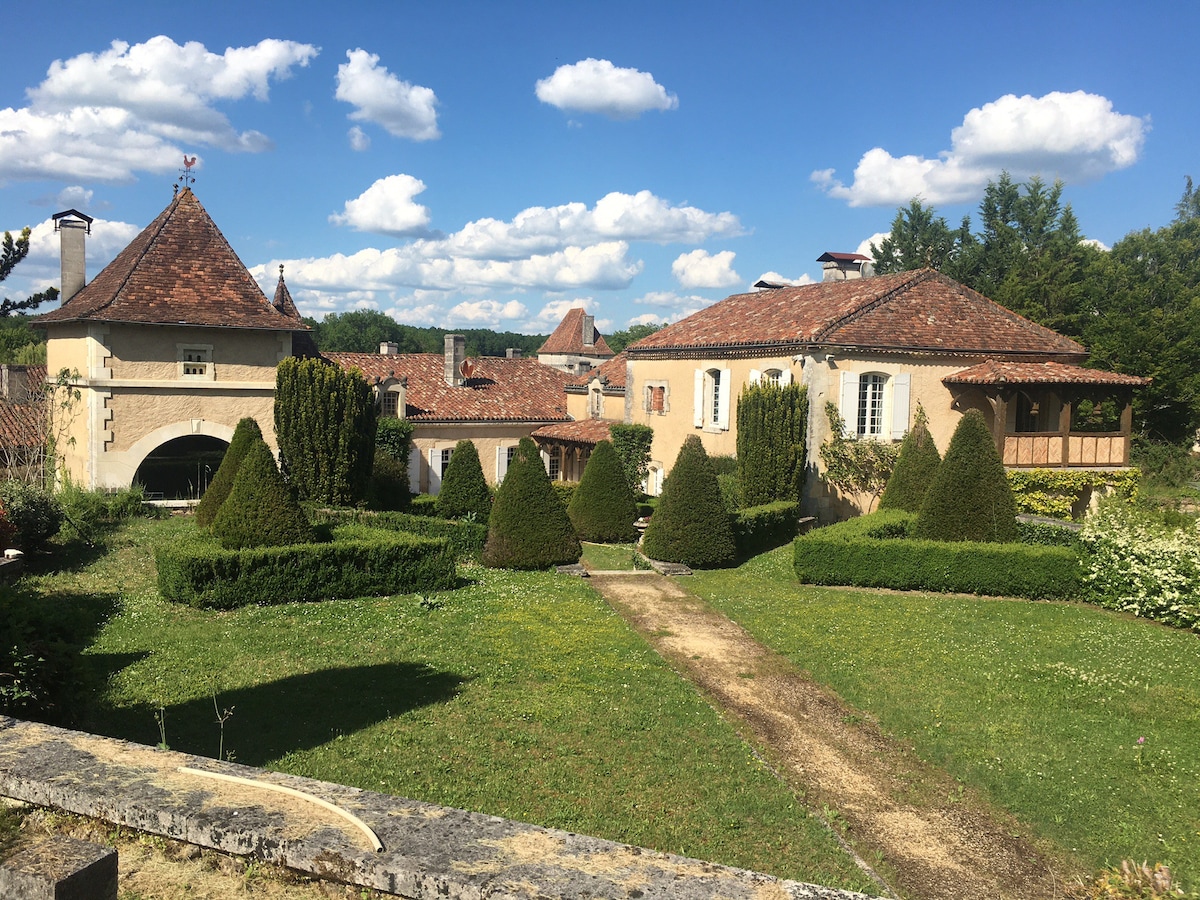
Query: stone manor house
point(174, 342)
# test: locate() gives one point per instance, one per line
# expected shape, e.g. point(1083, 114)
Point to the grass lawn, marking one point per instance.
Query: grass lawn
point(608, 557)
point(521, 695)
point(1041, 705)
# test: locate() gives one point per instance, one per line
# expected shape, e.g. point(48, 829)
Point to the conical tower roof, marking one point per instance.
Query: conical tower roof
point(179, 271)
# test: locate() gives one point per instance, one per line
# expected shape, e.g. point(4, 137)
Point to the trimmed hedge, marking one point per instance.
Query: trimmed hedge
point(466, 538)
point(691, 524)
point(204, 575)
point(464, 489)
point(245, 435)
point(602, 509)
point(423, 505)
point(758, 529)
point(870, 551)
point(261, 509)
point(529, 527)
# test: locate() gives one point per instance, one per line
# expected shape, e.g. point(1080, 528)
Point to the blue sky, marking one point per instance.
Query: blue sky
point(488, 164)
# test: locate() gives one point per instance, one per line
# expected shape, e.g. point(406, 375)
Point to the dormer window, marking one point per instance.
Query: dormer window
point(195, 362)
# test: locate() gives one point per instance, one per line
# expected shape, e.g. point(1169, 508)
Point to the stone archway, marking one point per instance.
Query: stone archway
point(181, 468)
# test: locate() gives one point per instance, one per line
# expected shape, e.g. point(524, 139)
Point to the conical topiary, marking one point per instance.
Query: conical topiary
point(528, 527)
point(690, 524)
point(261, 510)
point(970, 498)
point(245, 434)
point(915, 468)
point(602, 509)
point(464, 489)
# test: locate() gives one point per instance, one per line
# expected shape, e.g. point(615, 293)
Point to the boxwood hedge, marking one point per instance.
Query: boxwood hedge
point(465, 538)
point(204, 575)
point(873, 551)
point(758, 529)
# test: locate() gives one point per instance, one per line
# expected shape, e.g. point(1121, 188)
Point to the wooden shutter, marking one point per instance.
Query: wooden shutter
point(849, 404)
point(698, 404)
point(723, 405)
point(900, 392)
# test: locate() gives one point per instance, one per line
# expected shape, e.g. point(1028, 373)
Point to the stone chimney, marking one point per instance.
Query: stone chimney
point(513, 353)
point(589, 331)
point(456, 354)
point(389, 348)
point(71, 226)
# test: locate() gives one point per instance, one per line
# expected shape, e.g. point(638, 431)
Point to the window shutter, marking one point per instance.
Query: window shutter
point(723, 410)
point(785, 377)
point(414, 470)
point(698, 404)
point(755, 376)
point(849, 404)
point(900, 391)
point(545, 460)
point(501, 463)
point(435, 470)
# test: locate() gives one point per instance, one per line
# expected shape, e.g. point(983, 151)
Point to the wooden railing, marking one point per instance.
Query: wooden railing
point(1055, 450)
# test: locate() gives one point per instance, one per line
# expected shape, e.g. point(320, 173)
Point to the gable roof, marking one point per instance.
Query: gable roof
point(586, 431)
point(499, 389)
point(921, 311)
point(611, 373)
point(179, 271)
point(568, 337)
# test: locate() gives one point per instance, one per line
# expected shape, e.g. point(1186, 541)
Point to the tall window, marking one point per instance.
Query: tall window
point(771, 376)
point(870, 405)
point(554, 465)
point(388, 405)
point(715, 375)
point(711, 410)
point(445, 460)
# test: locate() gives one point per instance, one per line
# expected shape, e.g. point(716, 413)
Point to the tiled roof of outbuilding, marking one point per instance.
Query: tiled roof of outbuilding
point(499, 389)
point(21, 424)
point(179, 271)
point(997, 371)
point(568, 337)
point(585, 431)
point(611, 372)
point(920, 311)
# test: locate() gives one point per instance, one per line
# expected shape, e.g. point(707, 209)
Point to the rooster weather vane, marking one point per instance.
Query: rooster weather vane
point(187, 179)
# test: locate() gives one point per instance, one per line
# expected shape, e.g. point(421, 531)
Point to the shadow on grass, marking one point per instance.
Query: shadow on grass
point(292, 714)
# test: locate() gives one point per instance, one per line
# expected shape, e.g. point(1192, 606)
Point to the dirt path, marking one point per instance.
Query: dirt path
point(935, 840)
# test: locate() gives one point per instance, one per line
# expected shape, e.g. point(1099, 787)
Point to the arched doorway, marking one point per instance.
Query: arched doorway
point(181, 468)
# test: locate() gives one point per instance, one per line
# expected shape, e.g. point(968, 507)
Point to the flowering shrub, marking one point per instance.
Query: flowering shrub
point(1062, 494)
point(1142, 567)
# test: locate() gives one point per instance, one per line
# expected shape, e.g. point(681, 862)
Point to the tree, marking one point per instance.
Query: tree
point(464, 492)
point(261, 509)
point(632, 443)
point(855, 467)
point(528, 527)
point(690, 524)
point(388, 486)
point(1188, 206)
point(919, 238)
point(245, 435)
point(325, 425)
point(602, 508)
point(915, 468)
point(772, 423)
point(11, 253)
point(619, 340)
point(970, 498)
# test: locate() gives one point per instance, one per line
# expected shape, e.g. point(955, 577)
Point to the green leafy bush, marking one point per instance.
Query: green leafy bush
point(203, 575)
point(691, 525)
point(1067, 493)
point(466, 538)
point(915, 469)
point(33, 511)
point(529, 527)
point(464, 490)
point(848, 554)
point(758, 529)
point(85, 512)
point(261, 510)
point(564, 491)
point(423, 505)
point(602, 508)
point(1047, 534)
point(394, 437)
point(632, 443)
point(970, 498)
point(730, 486)
point(388, 485)
point(245, 435)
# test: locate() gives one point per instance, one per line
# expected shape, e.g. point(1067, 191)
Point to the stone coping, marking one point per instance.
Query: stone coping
point(428, 851)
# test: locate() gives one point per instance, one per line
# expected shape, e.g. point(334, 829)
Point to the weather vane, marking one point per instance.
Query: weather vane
point(187, 179)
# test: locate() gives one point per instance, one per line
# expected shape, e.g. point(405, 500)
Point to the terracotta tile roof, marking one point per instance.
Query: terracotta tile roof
point(568, 337)
point(996, 371)
point(585, 431)
point(611, 372)
point(499, 390)
point(21, 424)
point(179, 271)
point(905, 312)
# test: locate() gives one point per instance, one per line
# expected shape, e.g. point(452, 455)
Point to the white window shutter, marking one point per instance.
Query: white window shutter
point(435, 470)
point(849, 406)
point(501, 463)
point(900, 391)
point(698, 404)
point(785, 377)
point(546, 460)
point(414, 470)
point(723, 410)
point(755, 376)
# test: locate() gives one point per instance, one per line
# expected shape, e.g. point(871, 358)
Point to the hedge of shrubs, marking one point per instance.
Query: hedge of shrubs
point(465, 538)
point(758, 529)
point(367, 565)
point(873, 551)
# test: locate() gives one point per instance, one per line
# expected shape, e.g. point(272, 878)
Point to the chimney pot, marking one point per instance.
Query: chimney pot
point(72, 253)
point(589, 331)
point(455, 352)
point(389, 348)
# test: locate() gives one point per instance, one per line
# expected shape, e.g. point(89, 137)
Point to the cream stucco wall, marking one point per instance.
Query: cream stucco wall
point(491, 442)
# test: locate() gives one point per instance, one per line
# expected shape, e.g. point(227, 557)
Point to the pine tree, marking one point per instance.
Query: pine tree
point(464, 490)
point(915, 468)
point(970, 498)
point(690, 525)
point(245, 435)
point(261, 509)
point(602, 509)
point(528, 527)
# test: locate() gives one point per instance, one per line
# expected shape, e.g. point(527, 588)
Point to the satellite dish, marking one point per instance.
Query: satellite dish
point(466, 368)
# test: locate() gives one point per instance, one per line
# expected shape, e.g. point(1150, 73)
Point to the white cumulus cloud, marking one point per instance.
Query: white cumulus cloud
point(387, 207)
point(484, 313)
point(359, 139)
point(42, 267)
point(699, 269)
point(104, 116)
point(597, 86)
point(404, 110)
point(775, 278)
point(1076, 136)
